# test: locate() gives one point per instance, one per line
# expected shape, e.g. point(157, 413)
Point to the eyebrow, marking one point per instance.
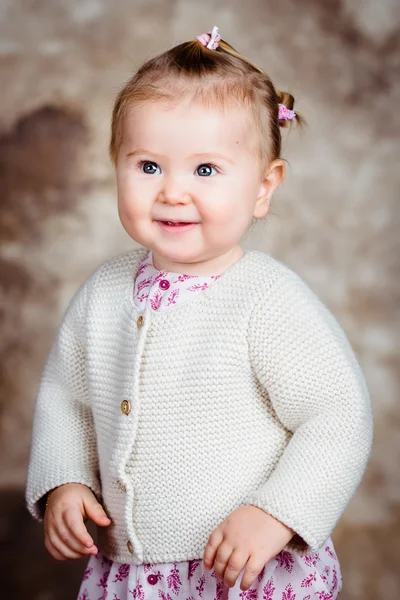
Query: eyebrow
point(204, 154)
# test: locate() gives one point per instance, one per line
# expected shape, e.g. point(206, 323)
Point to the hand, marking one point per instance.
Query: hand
point(66, 536)
point(248, 536)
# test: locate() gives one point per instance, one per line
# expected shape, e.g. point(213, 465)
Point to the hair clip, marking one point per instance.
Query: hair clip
point(285, 114)
point(210, 39)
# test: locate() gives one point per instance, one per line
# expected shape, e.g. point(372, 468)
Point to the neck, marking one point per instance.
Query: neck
point(215, 265)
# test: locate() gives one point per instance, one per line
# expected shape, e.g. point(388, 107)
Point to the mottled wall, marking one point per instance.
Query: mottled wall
point(335, 220)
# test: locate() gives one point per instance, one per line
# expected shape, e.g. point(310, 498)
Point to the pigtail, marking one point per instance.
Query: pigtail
point(287, 100)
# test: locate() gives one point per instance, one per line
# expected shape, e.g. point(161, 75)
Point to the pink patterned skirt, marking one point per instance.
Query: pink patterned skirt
point(288, 576)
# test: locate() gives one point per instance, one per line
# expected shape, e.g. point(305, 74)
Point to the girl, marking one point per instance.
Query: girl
point(200, 404)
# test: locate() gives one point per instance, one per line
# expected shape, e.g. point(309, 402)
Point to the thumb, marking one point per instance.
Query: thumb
point(95, 511)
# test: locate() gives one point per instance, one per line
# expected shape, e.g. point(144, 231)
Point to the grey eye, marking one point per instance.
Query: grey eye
point(205, 170)
point(150, 168)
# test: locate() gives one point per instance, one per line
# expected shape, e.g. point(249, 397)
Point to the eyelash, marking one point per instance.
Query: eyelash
point(142, 162)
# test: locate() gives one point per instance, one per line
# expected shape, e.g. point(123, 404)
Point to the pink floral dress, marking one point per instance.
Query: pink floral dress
point(288, 576)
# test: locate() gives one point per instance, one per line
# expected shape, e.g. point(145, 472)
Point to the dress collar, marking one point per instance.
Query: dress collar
point(163, 289)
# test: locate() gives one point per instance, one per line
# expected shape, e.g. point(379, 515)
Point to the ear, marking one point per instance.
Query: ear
point(271, 179)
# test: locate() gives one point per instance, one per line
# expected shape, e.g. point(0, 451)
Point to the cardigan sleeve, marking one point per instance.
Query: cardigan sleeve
point(305, 364)
point(63, 448)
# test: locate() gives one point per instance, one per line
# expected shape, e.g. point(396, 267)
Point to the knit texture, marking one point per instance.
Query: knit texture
point(248, 394)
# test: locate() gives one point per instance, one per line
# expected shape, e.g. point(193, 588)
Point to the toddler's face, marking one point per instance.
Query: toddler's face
point(186, 163)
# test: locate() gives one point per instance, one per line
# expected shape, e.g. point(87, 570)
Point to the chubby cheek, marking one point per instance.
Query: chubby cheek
point(229, 209)
point(132, 199)
point(134, 219)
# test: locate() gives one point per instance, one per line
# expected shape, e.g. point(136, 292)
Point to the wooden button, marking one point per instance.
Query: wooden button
point(126, 407)
point(121, 486)
point(140, 322)
point(130, 547)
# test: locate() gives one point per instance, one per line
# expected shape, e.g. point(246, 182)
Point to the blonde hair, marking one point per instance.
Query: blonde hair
point(219, 77)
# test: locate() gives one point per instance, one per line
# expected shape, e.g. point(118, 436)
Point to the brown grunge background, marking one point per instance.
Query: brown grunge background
point(335, 220)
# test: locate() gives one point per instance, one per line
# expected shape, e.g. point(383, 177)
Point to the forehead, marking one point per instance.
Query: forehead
point(189, 125)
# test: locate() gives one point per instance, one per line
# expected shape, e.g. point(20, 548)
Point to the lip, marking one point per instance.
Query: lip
point(176, 229)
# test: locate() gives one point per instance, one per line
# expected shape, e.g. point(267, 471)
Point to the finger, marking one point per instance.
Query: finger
point(74, 524)
point(222, 558)
point(95, 511)
point(210, 551)
point(251, 571)
point(54, 553)
point(62, 548)
point(236, 562)
point(54, 529)
point(70, 541)
point(67, 538)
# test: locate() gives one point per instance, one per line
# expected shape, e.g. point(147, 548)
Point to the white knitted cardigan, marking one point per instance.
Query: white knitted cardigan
point(248, 394)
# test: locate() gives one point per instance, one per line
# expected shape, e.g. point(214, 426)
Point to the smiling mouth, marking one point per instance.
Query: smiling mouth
point(176, 227)
point(178, 223)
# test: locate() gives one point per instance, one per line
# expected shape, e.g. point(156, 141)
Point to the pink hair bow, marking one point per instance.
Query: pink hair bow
point(285, 114)
point(210, 39)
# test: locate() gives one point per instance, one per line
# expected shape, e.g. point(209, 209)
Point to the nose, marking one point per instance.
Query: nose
point(173, 192)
